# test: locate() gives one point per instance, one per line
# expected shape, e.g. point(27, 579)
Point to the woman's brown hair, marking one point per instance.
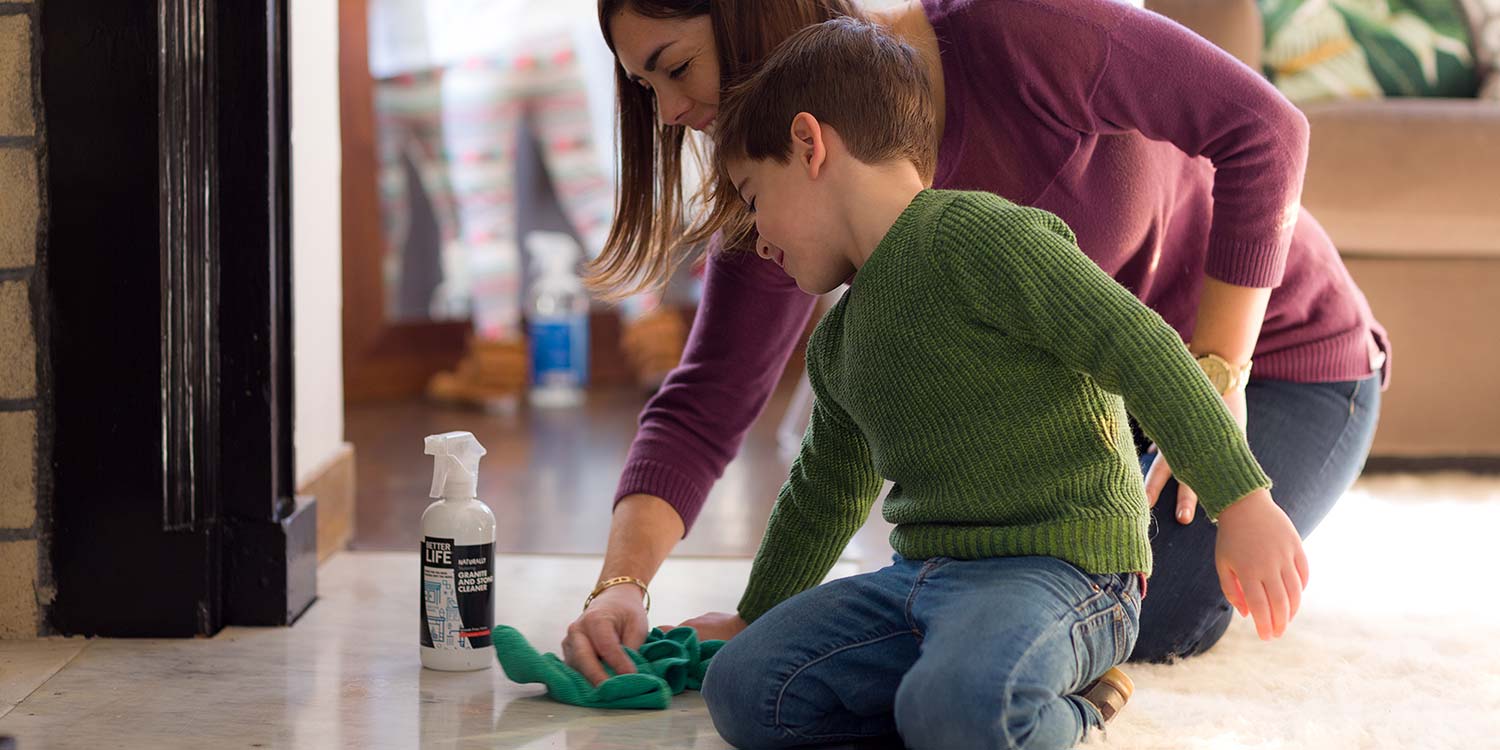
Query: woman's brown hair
point(647, 240)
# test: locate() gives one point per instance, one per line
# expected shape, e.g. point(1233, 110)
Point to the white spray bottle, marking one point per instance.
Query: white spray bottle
point(458, 560)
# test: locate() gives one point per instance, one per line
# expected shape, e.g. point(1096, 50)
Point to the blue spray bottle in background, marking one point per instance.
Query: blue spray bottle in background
point(557, 321)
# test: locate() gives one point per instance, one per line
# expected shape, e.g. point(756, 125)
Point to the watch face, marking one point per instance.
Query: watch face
point(1220, 378)
point(1217, 373)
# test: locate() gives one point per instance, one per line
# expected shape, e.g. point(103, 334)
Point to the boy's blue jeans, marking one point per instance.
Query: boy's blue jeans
point(947, 653)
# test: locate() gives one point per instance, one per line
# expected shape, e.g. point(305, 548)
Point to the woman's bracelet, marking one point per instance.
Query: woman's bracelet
point(616, 582)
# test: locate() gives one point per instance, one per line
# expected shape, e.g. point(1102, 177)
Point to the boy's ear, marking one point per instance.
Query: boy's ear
point(808, 148)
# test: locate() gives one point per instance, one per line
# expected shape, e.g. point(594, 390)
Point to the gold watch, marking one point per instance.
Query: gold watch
point(1225, 376)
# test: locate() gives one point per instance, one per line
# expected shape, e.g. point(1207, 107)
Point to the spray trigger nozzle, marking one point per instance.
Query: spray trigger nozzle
point(455, 466)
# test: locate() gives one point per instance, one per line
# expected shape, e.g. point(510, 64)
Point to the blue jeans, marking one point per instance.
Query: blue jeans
point(936, 653)
point(1312, 439)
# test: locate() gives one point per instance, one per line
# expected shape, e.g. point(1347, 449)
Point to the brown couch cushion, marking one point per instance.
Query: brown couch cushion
point(1408, 178)
point(1440, 315)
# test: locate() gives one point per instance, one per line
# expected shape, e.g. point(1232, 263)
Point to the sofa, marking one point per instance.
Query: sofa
point(1409, 190)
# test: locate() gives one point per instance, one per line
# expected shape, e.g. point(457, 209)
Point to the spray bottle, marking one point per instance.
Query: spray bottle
point(557, 311)
point(458, 560)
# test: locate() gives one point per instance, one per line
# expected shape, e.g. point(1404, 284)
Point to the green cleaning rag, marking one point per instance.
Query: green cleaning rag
point(667, 663)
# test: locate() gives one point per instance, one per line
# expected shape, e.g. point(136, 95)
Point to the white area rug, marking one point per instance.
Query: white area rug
point(1397, 645)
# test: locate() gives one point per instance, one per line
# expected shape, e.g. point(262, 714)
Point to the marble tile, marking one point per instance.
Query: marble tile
point(26, 664)
point(347, 675)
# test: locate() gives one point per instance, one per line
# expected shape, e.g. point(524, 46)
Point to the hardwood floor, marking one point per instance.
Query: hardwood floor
point(549, 475)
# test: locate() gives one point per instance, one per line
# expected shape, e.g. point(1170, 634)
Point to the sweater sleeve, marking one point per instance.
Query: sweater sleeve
point(751, 316)
point(1170, 84)
point(1104, 67)
point(826, 498)
point(1023, 273)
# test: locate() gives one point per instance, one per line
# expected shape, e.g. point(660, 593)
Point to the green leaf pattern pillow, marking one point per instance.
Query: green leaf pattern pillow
point(1368, 49)
point(1484, 29)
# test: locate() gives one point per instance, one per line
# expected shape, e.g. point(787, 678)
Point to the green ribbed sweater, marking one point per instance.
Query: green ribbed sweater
point(982, 363)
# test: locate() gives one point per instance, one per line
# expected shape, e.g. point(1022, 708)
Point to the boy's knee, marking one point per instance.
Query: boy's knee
point(935, 710)
point(731, 693)
point(938, 711)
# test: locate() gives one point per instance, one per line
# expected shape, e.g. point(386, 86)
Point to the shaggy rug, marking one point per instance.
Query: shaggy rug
point(1397, 644)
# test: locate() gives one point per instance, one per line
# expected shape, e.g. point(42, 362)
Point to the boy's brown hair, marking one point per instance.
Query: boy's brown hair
point(853, 75)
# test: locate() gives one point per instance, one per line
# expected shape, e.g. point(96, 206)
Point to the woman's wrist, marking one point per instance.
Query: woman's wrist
point(1229, 321)
point(642, 532)
point(629, 588)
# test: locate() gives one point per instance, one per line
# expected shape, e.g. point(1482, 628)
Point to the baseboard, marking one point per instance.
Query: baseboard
point(1427, 465)
point(333, 485)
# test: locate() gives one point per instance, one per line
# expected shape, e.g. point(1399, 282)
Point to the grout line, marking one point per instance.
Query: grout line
point(5, 709)
point(16, 9)
point(18, 404)
point(17, 141)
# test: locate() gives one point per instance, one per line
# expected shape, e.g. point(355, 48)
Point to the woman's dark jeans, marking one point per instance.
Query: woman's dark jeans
point(1312, 440)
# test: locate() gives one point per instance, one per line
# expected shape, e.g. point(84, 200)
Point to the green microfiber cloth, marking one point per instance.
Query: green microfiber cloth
point(667, 663)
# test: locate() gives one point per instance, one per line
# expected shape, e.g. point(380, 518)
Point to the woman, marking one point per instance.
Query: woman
point(1178, 168)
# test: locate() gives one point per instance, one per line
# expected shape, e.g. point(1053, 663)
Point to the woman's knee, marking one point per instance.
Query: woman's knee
point(1163, 640)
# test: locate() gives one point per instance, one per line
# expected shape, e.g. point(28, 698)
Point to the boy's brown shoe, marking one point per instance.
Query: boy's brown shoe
point(1109, 693)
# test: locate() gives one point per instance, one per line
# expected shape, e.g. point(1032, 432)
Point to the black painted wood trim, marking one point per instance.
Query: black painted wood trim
point(117, 569)
point(169, 303)
point(187, 143)
point(271, 537)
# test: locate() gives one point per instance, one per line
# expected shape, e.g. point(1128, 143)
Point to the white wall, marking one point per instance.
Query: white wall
point(316, 239)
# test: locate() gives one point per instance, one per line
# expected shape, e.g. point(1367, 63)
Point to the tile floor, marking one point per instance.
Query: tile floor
point(1394, 649)
point(346, 675)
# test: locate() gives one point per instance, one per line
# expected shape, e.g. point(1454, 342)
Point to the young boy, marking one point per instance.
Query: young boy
point(978, 361)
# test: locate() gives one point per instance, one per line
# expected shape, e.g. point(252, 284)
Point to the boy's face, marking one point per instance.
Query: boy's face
point(794, 212)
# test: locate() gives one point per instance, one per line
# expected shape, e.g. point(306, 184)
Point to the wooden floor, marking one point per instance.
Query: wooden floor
point(549, 475)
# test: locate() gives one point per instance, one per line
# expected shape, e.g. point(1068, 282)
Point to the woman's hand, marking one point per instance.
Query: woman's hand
point(712, 626)
point(1187, 499)
point(615, 619)
point(1262, 568)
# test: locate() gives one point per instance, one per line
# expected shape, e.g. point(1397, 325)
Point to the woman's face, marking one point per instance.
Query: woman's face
point(676, 59)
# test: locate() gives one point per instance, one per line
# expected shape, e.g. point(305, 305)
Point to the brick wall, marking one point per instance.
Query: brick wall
point(24, 580)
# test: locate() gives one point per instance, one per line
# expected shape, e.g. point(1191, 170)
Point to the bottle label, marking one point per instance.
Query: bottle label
point(559, 351)
point(457, 608)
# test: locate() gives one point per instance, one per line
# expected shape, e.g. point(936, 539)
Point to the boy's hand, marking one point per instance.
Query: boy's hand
point(714, 626)
point(1160, 472)
point(1262, 568)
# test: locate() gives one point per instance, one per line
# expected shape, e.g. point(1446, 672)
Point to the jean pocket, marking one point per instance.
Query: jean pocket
point(1100, 641)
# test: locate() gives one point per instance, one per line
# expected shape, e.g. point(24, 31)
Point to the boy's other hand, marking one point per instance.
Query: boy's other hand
point(1160, 472)
point(714, 626)
point(1262, 568)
